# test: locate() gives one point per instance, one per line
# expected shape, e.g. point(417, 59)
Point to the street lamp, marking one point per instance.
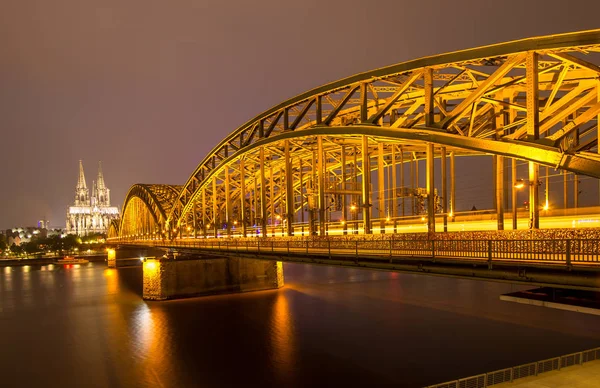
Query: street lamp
point(533, 203)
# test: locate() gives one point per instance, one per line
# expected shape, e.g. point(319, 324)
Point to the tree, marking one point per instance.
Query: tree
point(17, 250)
point(3, 243)
point(31, 247)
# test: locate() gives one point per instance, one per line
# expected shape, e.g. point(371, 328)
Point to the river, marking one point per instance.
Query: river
point(87, 326)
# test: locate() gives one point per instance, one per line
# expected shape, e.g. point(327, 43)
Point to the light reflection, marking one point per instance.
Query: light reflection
point(282, 335)
point(150, 333)
point(112, 281)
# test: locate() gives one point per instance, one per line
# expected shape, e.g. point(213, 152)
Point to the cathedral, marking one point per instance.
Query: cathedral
point(91, 214)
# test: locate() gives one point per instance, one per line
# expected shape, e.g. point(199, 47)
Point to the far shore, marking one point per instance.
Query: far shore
point(12, 261)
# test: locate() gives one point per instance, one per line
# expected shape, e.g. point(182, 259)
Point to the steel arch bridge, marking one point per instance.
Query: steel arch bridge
point(342, 147)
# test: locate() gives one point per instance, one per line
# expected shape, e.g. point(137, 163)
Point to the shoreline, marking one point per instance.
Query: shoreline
point(46, 260)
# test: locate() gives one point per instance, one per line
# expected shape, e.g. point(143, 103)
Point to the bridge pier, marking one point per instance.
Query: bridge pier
point(186, 276)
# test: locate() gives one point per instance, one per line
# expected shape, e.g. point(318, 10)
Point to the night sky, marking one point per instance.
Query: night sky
point(150, 86)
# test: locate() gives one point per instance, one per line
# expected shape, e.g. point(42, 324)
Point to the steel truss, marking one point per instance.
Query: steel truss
point(535, 99)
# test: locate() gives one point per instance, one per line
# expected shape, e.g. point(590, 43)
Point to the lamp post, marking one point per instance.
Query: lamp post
point(533, 184)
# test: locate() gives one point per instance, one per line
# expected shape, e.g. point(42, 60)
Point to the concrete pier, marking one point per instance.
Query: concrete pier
point(180, 277)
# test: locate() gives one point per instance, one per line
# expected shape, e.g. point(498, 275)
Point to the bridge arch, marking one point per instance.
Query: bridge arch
point(534, 99)
point(145, 210)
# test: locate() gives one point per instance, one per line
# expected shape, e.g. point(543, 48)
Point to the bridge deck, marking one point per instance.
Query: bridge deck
point(570, 263)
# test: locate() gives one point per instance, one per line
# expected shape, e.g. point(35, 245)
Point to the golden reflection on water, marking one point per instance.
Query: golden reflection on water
point(150, 336)
point(112, 281)
point(283, 334)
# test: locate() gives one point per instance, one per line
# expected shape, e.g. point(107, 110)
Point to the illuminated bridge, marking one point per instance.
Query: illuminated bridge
point(335, 173)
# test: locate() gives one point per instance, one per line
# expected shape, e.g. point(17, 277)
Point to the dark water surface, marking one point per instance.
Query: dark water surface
point(89, 327)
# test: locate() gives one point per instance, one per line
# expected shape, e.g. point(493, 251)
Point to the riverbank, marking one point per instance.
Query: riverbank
point(46, 260)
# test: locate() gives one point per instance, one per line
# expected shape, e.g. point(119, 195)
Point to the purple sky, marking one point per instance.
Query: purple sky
point(150, 86)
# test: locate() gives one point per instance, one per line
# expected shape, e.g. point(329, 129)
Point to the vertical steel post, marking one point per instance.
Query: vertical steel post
point(499, 175)
point(575, 191)
point(514, 193)
point(242, 215)
point(321, 185)
point(228, 201)
point(301, 190)
point(444, 189)
point(253, 198)
point(428, 84)
point(194, 218)
point(364, 112)
point(547, 204)
point(394, 186)
point(430, 189)
point(565, 189)
point(452, 187)
point(366, 184)
point(215, 206)
point(532, 102)
point(381, 186)
point(319, 110)
point(355, 184)
point(263, 194)
point(272, 198)
point(344, 196)
point(412, 182)
point(402, 190)
point(204, 221)
point(289, 190)
point(534, 211)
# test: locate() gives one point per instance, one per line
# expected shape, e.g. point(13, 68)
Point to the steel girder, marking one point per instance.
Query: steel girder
point(157, 202)
point(535, 99)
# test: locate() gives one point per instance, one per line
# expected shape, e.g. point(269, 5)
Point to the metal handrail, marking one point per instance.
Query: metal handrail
point(520, 371)
point(559, 252)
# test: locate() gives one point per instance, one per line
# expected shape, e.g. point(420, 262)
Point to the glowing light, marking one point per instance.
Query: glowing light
point(189, 228)
point(151, 265)
point(387, 218)
point(278, 217)
point(343, 222)
point(353, 207)
point(519, 184)
point(235, 222)
point(141, 259)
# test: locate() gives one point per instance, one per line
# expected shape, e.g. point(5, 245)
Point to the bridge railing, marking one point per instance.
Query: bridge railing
point(566, 251)
point(520, 371)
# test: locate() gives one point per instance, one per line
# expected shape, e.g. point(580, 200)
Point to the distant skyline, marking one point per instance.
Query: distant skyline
point(150, 87)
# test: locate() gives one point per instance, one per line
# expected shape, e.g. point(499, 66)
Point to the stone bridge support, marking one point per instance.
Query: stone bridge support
point(185, 276)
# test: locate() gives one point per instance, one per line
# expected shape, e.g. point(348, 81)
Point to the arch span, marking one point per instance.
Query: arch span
point(145, 209)
point(535, 99)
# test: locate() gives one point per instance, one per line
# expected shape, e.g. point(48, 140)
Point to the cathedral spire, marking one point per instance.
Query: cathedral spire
point(82, 195)
point(100, 181)
point(81, 182)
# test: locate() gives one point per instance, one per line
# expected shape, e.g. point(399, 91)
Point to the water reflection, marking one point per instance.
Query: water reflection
point(283, 335)
point(328, 326)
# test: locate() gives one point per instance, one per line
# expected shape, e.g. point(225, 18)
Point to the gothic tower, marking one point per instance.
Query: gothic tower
point(102, 192)
point(82, 195)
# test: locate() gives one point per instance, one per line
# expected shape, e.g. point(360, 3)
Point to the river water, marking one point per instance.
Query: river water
point(89, 327)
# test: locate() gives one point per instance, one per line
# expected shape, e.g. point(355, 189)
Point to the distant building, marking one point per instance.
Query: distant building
point(91, 214)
